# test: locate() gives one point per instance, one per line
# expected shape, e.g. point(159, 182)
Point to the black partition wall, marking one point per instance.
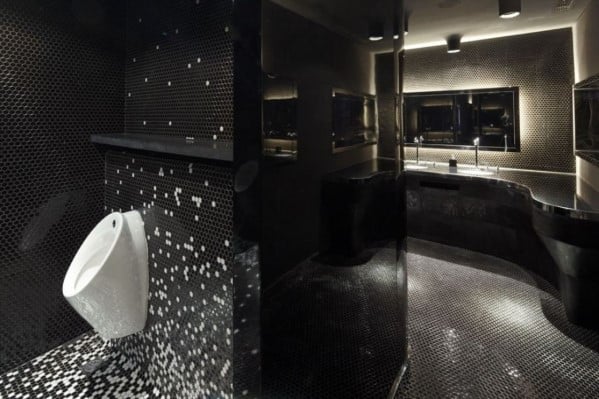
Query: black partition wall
point(333, 294)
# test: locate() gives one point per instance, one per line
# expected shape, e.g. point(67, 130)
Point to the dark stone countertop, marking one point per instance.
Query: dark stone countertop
point(552, 192)
point(198, 148)
point(362, 172)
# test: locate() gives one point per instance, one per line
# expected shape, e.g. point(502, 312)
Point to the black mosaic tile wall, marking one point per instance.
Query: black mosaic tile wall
point(540, 64)
point(186, 348)
point(179, 82)
point(179, 68)
point(61, 79)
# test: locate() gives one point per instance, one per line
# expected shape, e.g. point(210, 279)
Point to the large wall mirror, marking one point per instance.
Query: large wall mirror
point(279, 117)
point(355, 120)
point(586, 118)
point(455, 119)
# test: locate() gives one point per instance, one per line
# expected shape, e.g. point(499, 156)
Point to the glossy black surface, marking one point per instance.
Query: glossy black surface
point(364, 171)
point(359, 209)
point(552, 192)
point(525, 219)
point(195, 148)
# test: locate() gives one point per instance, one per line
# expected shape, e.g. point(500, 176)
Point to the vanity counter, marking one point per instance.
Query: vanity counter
point(362, 172)
point(552, 192)
point(530, 218)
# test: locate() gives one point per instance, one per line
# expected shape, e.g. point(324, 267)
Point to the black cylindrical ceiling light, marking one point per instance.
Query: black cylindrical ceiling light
point(395, 28)
point(509, 8)
point(405, 24)
point(453, 44)
point(376, 31)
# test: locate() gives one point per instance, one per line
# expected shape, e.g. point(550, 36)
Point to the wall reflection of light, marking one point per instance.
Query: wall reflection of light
point(512, 311)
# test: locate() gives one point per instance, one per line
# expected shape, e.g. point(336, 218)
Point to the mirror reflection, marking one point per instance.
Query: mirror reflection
point(586, 119)
point(456, 119)
point(354, 120)
point(279, 109)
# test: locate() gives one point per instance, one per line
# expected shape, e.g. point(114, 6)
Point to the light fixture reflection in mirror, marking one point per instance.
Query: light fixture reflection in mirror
point(279, 117)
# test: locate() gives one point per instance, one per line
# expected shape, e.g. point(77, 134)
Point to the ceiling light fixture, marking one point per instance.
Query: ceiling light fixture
point(453, 44)
point(405, 24)
point(395, 28)
point(376, 31)
point(509, 8)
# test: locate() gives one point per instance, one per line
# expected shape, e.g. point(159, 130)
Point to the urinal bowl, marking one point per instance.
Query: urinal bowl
point(107, 282)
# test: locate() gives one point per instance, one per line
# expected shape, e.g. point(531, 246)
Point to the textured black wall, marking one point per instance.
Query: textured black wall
point(540, 64)
point(186, 347)
point(61, 79)
point(318, 60)
point(185, 51)
point(179, 68)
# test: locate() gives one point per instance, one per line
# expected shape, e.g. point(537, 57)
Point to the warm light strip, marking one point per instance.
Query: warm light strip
point(476, 38)
point(501, 168)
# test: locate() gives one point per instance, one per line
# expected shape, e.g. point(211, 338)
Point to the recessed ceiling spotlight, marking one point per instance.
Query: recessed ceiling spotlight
point(453, 44)
point(509, 8)
point(376, 31)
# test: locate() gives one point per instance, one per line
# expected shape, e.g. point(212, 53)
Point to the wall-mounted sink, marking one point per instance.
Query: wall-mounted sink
point(412, 166)
point(476, 172)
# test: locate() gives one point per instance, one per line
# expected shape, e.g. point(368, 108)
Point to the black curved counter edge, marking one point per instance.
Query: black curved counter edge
point(521, 216)
point(529, 218)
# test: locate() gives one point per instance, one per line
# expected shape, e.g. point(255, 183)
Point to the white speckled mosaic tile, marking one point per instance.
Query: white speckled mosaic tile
point(186, 348)
point(58, 374)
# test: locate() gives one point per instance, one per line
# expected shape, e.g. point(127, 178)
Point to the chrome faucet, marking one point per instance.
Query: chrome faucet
point(476, 144)
point(418, 142)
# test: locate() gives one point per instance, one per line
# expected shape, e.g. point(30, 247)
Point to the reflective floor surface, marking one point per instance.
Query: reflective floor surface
point(480, 327)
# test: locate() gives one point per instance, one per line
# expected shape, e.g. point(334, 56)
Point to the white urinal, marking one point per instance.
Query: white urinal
point(107, 282)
